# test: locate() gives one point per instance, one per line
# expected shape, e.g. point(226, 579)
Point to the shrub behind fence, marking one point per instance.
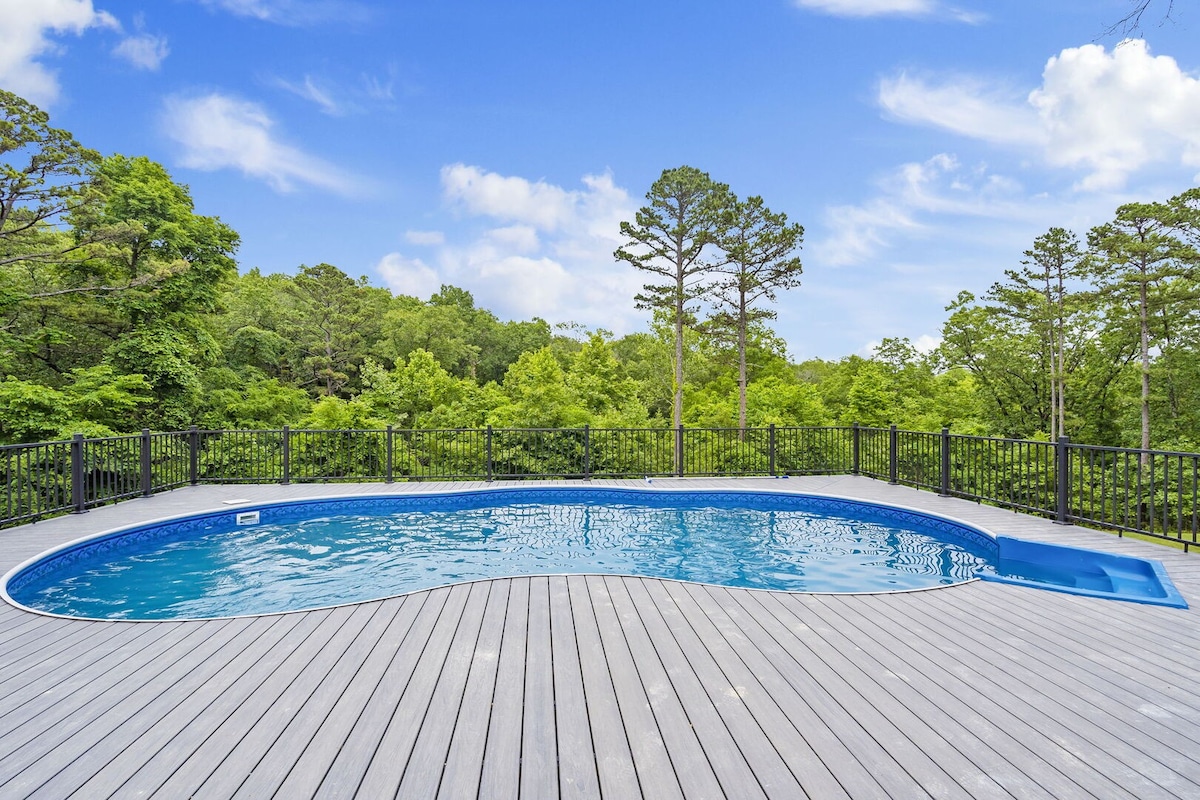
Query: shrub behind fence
point(1147, 492)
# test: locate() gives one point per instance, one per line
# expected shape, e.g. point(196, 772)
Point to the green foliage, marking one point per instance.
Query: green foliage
point(667, 240)
point(121, 308)
point(244, 399)
point(758, 246)
point(538, 395)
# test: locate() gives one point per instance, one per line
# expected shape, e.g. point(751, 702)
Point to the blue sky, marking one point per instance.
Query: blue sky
point(497, 146)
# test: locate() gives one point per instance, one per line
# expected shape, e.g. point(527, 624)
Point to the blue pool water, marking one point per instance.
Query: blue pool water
point(321, 553)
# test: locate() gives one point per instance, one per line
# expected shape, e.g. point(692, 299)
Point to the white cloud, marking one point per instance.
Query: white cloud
point(143, 50)
point(515, 238)
point(216, 132)
point(878, 8)
point(25, 29)
point(425, 237)
point(293, 12)
point(508, 198)
point(549, 256)
point(410, 276)
point(965, 105)
point(1106, 113)
point(908, 196)
point(316, 93)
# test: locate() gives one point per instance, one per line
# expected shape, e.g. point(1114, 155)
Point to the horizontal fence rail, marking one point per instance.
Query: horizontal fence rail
point(1153, 493)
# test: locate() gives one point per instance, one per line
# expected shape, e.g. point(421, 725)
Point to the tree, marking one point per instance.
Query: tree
point(1131, 23)
point(667, 240)
point(1038, 294)
point(758, 245)
point(331, 314)
point(1151, 269)
point(45, 176)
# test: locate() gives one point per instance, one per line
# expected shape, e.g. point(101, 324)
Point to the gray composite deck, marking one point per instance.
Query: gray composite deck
point(617, 687)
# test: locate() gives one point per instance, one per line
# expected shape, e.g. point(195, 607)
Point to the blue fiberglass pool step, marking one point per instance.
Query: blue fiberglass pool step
point(1077, 570)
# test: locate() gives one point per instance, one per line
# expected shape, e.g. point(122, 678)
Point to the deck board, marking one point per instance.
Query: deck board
point(612, 686)
point(577, 757)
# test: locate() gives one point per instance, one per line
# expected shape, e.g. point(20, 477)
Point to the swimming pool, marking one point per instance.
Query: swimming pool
point(311, 554)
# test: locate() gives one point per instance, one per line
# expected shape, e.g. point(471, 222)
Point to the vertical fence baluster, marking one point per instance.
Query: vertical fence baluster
point(286, 457)
point(856, 449)
point(945, 463)
point(193, 456)
point(771, 449)
point(388, 447)
point(1062, 458)
point(893, 456)
point(147, 478)
point(488, 453)
point(679, 451)
point(78, 502)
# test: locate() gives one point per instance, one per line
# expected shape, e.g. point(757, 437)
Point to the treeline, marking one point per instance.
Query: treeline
point(122, 308)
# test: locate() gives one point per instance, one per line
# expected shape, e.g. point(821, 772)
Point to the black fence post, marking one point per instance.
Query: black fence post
point(679, 451)
point(893, 456)
point(771, 449)
point(193, 455)
point(488, 451)
point(388, 476)
point(78, 482)
point(287, 456)
point(856, 449)
point(587, 452)
point(1062, 453)
point(945, 469)
point(147, 478)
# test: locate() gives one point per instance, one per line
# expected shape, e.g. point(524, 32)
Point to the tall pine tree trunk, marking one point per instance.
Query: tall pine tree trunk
point(1143, 317)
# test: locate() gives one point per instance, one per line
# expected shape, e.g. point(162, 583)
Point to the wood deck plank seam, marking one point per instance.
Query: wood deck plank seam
point(248, 707)
point(652, 766)
point(1057, 649)
point(1098, 721)
point(808, 707)
point(44, 703)
point(578, 764)
point(616, 772)
point(174, 697)
point(463, 769)
point(818, 697)
point(735, 773)
point(690, 764)
point(64, 746)
point(319, 752)
point(1122, 682)
point(999, 754)
point(291, 734)
point(933, 780)
point(49, 667)
point(1042, 644)
point(777, 778)
point(539, 750)
point(922, 668)
point(778, 607)
point(798, 751)
point(500, 772)
point(384, 774)
point(161, 737)
point(426, 763)
point(361, 746)
point(1074, 739)
point(1020, 606)
point(218, 702)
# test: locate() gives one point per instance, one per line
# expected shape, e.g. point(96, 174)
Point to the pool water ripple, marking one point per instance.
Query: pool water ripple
point(308, 555)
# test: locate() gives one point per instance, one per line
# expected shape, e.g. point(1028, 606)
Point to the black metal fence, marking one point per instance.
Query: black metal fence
point(1147, 492)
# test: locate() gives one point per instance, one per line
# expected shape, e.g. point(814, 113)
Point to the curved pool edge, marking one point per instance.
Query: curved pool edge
point(175, 621)
point(236, 507)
